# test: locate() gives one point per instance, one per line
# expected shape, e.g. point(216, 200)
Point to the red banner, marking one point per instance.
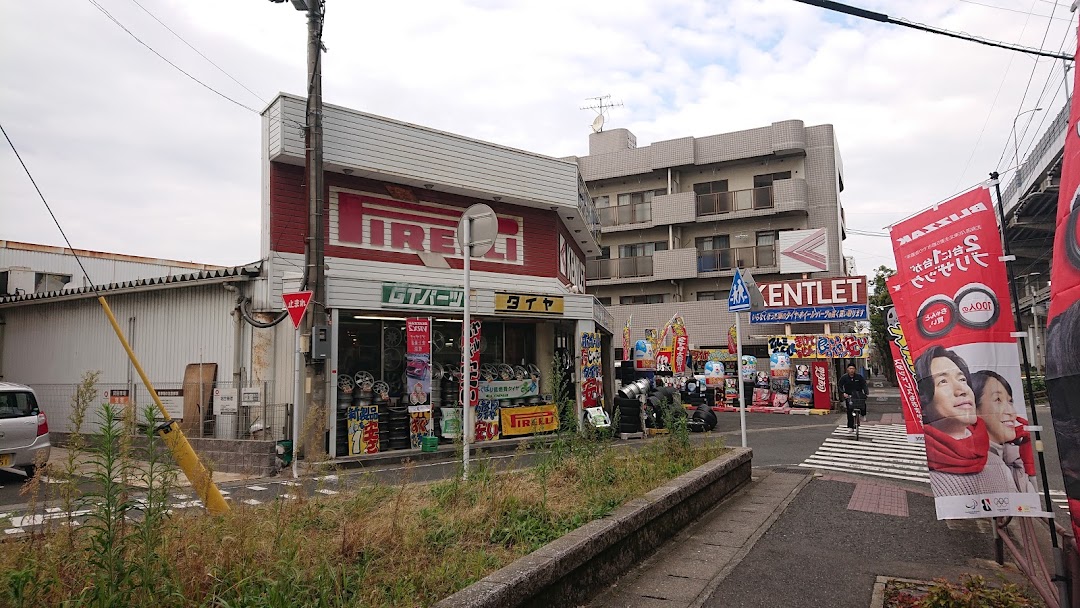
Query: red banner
point(952, 299)
point(905, 373)
point(732, 340)
point(822, 389)
point(418, 335)
point(418, 365)
point(680, 345)
point(1063, 331)
point(472, 338)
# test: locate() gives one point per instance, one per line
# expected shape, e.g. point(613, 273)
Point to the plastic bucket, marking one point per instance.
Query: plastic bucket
point(429, 443)
point(284, 450)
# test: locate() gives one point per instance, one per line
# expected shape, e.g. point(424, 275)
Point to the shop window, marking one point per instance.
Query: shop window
point(654, 298)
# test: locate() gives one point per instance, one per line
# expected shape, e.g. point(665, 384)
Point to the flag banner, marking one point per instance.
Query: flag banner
point(952, 288)
point(680, 345)
point(732, 340)
point(628, 353)
point(905, 373)
point(418, 364)
point(1063, 330)
point(591, 375)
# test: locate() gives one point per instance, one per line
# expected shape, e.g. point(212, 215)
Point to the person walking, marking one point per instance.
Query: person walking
point(852, 383)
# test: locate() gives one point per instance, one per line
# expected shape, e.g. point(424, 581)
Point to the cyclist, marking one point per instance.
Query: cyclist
point(851, 384)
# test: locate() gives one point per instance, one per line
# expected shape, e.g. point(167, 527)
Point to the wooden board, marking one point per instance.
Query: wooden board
point(194, 411)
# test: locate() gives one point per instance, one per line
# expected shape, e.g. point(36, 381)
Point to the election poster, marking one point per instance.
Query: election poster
point(951, 287)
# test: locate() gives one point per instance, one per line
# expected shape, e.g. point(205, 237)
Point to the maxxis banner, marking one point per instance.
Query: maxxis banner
point(952, 300)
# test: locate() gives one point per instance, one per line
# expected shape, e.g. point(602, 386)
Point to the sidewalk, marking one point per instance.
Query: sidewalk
point(793, 538)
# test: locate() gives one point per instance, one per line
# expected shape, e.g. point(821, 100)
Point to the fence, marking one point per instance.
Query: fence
point(217, 410)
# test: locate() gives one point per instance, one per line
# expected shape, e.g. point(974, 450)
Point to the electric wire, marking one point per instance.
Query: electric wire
point(49, 208)
point(200, 53)
point(166, 60)
point(993, 104)
point(1013, 10)
point(1063, 82)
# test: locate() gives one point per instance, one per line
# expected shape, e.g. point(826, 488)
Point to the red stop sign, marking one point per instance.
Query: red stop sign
point(296, 303)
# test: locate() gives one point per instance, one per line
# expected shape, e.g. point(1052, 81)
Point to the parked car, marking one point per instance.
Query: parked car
point(24, 429)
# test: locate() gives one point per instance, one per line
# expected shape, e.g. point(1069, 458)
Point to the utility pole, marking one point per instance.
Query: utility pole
point(314, 415)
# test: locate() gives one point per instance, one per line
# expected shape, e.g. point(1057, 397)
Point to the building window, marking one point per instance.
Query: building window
point(605, 301)
point(709, 296)
point(605, 253)
point(642, 249)
point(629, 208)
point(763, 188)
point(713, 197)
point(45, 281)
point(619, 354)
point(655, 298)
point(714, 253)
point(601, 201)
point(765, 251)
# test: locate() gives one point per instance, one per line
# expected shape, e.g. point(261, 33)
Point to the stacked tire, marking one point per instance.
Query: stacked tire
point(629, 415)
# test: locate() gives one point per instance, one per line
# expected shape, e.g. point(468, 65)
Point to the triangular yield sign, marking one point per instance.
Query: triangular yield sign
point(296, 303)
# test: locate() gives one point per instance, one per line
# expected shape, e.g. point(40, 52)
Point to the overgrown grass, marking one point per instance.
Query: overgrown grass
point(403, 545)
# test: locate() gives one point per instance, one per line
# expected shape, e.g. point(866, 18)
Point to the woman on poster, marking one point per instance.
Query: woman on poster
point(957, 442)
point(1008, 439)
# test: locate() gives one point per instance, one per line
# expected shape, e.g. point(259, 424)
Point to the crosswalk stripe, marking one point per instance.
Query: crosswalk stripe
point(882, 450)
point(870, 473)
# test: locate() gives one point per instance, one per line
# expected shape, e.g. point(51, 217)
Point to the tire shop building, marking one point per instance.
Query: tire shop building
point(394, 195)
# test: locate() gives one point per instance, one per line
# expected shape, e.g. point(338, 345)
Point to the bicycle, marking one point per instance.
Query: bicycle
point(857, 402)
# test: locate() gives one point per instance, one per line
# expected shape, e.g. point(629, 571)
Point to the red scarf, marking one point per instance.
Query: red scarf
point(962, 456)
point(1023, 439)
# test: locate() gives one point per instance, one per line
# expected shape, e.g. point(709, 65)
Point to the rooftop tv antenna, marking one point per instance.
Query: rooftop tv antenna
point(601, 108)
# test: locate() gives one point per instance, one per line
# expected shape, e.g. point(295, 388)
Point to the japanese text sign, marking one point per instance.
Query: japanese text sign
point(523, 303)
point(296, 303)
point(407, 295)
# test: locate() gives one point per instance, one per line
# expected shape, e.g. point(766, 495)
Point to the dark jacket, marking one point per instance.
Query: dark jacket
point(850, 384)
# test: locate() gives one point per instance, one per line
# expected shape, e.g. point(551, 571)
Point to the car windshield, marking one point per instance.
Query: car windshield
point(16, 404)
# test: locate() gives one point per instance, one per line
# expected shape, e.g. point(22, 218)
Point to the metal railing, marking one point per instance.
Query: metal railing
point(1030, 164)
point(619, 268)
point(735, 200)
point(625, 214)
point(192, 404)
point(743, 257)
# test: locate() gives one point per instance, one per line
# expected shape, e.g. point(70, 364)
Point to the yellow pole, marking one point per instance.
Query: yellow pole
point(173, 437)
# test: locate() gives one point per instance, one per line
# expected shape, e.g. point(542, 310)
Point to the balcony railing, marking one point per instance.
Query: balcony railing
point(619, 268)
point(761, 256)
point(625, 214)
point(736, 200)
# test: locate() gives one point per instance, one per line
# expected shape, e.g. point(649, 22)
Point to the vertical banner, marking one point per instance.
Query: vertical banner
point(627, 352)
point(1063, 330)
point(819, 373)
point(680, 345)
point(419, 426)
point(732, 340)
point(905, 373)
point(951, 285)
point(418, 364)
point(470, 387)
point(748, 368)
point(487, 420)
point(591, 387)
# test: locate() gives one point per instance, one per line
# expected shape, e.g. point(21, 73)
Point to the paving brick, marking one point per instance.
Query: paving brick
point(878, 498)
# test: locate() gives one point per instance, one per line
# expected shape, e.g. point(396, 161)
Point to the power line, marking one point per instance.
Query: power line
point(163, 58)
point(1013, 10)
point(189, 45)
point(883, 18)
point(53, 215)
point(993, 104)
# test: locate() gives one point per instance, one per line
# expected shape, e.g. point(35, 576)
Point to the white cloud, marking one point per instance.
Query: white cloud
point(136, 158)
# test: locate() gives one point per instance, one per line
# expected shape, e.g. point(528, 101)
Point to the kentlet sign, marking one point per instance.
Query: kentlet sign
point(813, 300)
point(370, 222)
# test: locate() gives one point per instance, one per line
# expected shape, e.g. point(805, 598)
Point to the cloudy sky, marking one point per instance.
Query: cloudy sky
point(137, 158)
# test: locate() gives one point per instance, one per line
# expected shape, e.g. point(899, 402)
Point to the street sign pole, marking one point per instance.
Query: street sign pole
point(467, 431)
point(738, 374)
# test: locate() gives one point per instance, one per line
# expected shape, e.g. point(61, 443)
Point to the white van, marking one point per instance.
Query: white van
point(24, 430)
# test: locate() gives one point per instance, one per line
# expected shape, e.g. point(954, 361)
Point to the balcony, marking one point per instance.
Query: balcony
point(782, 196)
point(619, 268)
point(719, 260)
point(625, 215)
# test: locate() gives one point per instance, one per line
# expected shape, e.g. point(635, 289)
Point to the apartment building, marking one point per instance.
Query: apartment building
point(678, 216)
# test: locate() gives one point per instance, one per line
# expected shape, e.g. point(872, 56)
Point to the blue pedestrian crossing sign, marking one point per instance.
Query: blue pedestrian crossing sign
point(739, 298)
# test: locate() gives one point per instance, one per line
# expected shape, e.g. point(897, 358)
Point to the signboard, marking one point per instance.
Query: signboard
point(363, 427)
point(173, 401)
point(370, 222)
point(748, 368)
point(296, 303)
point(803, 251)
point(509, 389)
point(591, 387)
point(644, 356)
point(779, 378)
point(524, 303)
point(418, 364)
point(487, 420)
point(712, 354)
point(739, 296)
point(225, 401)
point(822, 346)
point(570, 265)
point(813, 300)
point(419, 426)
point(951, 287)
point(529, 419)
point(408, 295)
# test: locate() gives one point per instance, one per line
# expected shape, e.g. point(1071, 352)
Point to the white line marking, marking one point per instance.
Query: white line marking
point(251, 501)
point(328, 492)
point(870, 473)
point(257, 488)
